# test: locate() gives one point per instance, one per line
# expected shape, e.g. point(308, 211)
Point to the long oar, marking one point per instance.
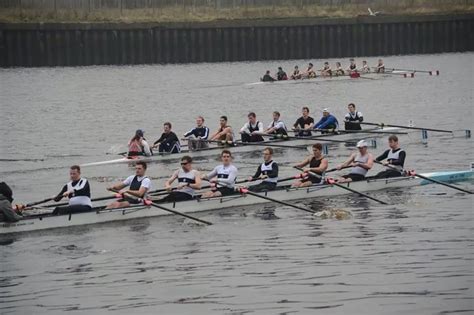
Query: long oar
point(66, 203)
point(246, 191)
point(154, 204)
point(404, 127)
point(346, 188)
point(31, 204)
point(272, 145)
point(370, 131)
point(415, 70)
point(430, 179)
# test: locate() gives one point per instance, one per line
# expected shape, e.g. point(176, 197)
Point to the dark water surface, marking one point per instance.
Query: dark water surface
point(414, 256)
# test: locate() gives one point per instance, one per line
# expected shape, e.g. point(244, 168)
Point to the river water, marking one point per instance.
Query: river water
point(414, 256)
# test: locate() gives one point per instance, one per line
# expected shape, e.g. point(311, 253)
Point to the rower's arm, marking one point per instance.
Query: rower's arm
point(260, 129)
point(303, 163)
point(189, 133)
point(117, 186)
point(230, 179)
point(257, 173)
point(171, 179)
point(369, 164)
point(245, 128)
point(274, 172)
point(349, 161)
point(146, 148)
point(144, 187)
point(401, 159)
point(197, 179)
point(159, 140)
point(383, 156)
point(321, 168)
point(60, 195)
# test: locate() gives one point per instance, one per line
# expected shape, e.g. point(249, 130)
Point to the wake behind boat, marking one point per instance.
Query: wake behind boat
point(99, 215)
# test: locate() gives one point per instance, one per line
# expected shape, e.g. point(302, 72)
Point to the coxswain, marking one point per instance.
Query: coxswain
point(222, 177)
point(78, 191)
point(361, 162)
point(353, 118)
point(267, 77)
point(224, 133)
point(327, 122)
point(365, 67)
point(197, 137)
point(7, 212)
point(252, 130)
point(326, 70)
point(380, 68)
point(267, 172)
point(296, 75)
point(138, 145)
point(277, 126)
point(339, 70)
point(318, 164)
point(189, 180)
point(304, 124)
point(281, 75)
point(395, 159)
point(168, 141)
point(138, 186)
point(309, 73)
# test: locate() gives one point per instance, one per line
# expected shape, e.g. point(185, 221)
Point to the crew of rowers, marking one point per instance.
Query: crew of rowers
point(253, 130)
point(326, 71)
point(223, 179)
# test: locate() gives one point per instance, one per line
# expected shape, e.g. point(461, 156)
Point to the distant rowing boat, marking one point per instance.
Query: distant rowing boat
point(370, 76)
point(158, 157)
point(100, 215)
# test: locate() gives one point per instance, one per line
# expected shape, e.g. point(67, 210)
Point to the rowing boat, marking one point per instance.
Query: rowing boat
point(101, 215)
point(370, 76)
point(159, 157)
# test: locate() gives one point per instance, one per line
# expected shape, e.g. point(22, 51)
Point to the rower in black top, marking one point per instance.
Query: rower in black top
point(318, 164)
point(304, 124)
point(281, 75)
point(168, 141)
point(353, 118)
point(267, 77)
point(197, 137)
point(395, 159)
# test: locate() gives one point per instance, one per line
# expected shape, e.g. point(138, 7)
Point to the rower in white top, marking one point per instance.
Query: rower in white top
point(353, 118)
point(277, 127)
point(365, 67)
point(189, 180)
point(139, 185)
point(222, 177)
point(361, 162)
point(138, 145)
point(78, 191)
point(252, 130)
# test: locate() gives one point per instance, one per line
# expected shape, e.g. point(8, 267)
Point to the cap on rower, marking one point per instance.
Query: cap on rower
point(139, 132)
point(325, 110)
point(362, 144)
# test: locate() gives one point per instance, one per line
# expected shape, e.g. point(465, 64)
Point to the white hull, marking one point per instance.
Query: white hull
point(51, 222)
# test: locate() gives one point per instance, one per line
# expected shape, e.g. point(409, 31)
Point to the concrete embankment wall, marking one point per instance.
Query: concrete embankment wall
point(80, 44)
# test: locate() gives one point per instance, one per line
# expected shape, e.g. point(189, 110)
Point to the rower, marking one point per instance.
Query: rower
point(339, 70)
point(198, 135)
point(353, 118)
point(304, 124)
point(224, 133)
point(267, 77)
point(326, 70)
point(380, 68)
point(296, 75)
point(361, 163)
point(318, 164)
point(138, 145)
point(267, 172)
point(189, 180)
point(7, 212)
point(168, 141)
point(252, 130)
point(326, 122)
point(352, 66)
point(276, 127)
point(365, 67)
point(223, 177)
point(78, 191)
point(395, 159)
point(309, 73)
point(281, 75)
point(139, 185)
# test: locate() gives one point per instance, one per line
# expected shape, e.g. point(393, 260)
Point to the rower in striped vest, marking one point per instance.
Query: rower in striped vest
point(78, 191)
point(277, 127)
point(252, 130)
point(395, 159)
point(353, 118)
point(267, 172)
